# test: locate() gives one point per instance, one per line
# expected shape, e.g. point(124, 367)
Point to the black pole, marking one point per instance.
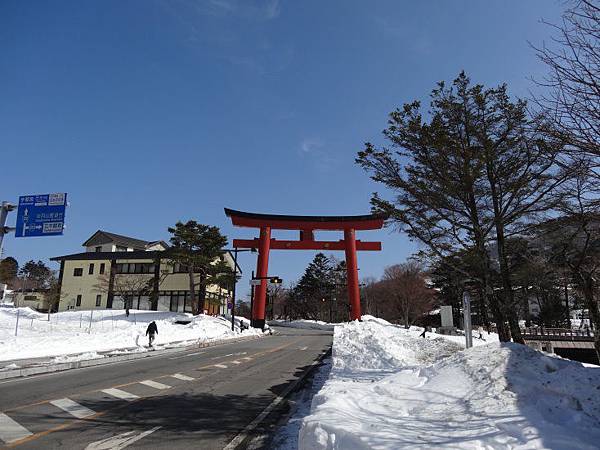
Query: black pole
point(235, 252)
point(252, 301)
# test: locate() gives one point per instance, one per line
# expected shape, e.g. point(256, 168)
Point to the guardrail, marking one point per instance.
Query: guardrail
point(559, 334)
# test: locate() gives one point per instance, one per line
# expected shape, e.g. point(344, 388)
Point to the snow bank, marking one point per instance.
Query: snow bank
point(389, 389)
point(72, 332)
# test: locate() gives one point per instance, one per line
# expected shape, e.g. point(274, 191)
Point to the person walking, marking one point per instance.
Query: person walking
point(151, 331)
point(423, 333)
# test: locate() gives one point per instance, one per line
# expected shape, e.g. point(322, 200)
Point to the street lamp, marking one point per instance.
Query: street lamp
point(235, 267)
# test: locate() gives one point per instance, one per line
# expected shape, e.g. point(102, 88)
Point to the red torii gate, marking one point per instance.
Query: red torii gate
point(307, 225)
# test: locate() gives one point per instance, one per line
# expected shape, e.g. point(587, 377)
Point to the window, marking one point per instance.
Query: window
point(135, 268)
point(91, 269)
point(102, 265)
point(98, 249)
point(78, 271)
point(78, 302)
point(98, 300)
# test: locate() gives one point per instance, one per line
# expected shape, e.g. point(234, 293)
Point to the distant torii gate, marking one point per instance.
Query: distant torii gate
point(307, 226)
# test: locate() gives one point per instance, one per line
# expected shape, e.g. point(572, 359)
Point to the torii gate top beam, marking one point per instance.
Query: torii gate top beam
point(305, 223)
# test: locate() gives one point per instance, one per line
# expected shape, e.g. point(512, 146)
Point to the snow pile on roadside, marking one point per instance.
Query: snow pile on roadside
point(303, 324)
point(494, 396)
point(73, 332)
point(373, 345)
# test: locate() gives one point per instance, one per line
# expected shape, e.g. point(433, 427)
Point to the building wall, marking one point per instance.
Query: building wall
point(90, 285)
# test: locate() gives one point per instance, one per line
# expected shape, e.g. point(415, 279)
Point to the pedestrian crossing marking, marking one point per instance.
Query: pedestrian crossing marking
point(247, 358)
point(11, 431)
point(73, 408)
point(155, 384)
point(182, 377)
point(120, 394)
point(221, 366)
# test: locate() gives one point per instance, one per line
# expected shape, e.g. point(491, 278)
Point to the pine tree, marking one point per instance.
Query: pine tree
point(199, 250)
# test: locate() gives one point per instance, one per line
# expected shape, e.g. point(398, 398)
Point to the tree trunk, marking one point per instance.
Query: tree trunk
point(509, 302)
point(192, 290)
point(592, 304)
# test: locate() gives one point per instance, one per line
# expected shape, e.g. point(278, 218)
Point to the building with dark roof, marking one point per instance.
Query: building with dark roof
point(115, 270)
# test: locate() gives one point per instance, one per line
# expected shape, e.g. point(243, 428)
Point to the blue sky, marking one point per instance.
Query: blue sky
point(148, 112)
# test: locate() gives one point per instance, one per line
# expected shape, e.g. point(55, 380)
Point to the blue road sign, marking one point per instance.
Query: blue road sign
point(41, 215)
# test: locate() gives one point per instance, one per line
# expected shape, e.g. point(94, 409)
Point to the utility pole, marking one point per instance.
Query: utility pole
point(5, 208)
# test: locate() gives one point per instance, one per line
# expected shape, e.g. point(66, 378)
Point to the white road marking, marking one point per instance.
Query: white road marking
point(235, 362)
point(120, 394)
point(11, 431)
point(303, 348)
point(73, 408)
point(241, 437)
point(182, 377)
point(155, 384)
point(187, 355)
point(221, 366)
point(119, 441)
point(247, 358)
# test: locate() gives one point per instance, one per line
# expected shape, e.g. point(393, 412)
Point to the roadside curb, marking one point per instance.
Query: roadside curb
point(246, 434)
point(109, 359)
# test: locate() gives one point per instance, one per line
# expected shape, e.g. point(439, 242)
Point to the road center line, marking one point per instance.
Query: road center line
point(11, 431)
point(221, 366)
point(155, 384)
point(188, 355)
point(73, 408)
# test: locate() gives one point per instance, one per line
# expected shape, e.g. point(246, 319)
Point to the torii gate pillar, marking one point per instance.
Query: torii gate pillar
point(352, 274)
point(306, 225)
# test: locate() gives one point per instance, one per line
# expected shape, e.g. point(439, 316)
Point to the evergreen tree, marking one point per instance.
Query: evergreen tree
point(198, 249)
point(9, 268)
point(35, 275)
point(476, 169)
point(314, 288)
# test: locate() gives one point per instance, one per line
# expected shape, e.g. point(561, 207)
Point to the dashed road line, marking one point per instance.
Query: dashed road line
point(120, 394)
point(221, 366)
point(247, 358)
point(73, 408)
point(180, 376)
point(235, 362)
point(155, 384)
point(303, 348)
point(11, 431)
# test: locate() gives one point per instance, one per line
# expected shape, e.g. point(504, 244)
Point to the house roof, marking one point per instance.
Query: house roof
point(103, 237)
point(139, 254)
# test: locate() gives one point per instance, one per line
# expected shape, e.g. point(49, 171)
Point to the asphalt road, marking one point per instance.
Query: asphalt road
point(200, 398)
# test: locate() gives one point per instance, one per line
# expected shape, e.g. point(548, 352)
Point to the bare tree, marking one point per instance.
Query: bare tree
point(573, 60)
point(408, 293)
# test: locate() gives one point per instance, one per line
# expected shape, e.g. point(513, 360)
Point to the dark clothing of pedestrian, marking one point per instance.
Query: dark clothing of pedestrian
point(423, 333)
point(150, 332)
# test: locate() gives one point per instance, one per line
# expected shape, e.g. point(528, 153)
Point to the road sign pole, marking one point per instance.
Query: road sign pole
point(467, 320)
point(235, 252)
point(5, 208)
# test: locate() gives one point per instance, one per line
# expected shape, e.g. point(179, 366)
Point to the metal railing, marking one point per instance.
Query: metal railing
point(559, 334)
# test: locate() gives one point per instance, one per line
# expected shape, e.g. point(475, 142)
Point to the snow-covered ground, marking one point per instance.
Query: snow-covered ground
point(390, 389)
point(100, 330)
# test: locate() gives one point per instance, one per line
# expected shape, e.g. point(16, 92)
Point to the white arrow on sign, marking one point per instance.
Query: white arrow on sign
point(119, 441)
